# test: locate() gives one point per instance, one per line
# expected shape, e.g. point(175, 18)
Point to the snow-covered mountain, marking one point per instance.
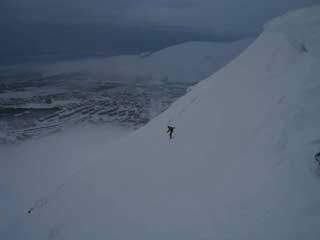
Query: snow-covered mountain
point(184, 63)
point(240, 165)
point(127, 90)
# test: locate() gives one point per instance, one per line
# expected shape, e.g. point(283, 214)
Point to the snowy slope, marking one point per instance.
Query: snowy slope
point(35, 167)
point(239, 167)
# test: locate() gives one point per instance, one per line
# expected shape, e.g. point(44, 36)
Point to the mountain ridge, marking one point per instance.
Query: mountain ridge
point(239, 165)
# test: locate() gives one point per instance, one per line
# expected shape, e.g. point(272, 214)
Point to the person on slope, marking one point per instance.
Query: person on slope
point(317, 158)
point(170, 131)
point(30, 210)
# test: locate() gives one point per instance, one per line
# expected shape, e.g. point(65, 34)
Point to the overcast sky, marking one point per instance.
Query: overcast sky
point(215, 17)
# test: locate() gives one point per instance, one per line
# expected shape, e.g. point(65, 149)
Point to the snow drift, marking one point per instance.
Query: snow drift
point(240, 165)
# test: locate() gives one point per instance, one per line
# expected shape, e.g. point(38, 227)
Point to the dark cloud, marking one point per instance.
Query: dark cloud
point(219, 16)
point(204, 14)
point(37, 27)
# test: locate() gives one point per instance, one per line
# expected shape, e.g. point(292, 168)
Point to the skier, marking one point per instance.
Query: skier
point(170, 131)
point(317, 158)
point(30, 210)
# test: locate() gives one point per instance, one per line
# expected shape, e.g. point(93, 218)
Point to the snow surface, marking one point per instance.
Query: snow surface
point(35, 167)
point(240, 165)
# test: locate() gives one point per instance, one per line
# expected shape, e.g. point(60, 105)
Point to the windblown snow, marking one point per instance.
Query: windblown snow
point(183, 63)
point(240, 165)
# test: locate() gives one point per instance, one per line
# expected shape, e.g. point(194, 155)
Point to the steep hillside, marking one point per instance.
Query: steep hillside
point(240, 165)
